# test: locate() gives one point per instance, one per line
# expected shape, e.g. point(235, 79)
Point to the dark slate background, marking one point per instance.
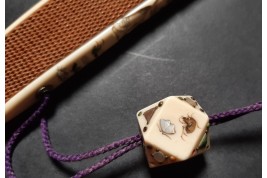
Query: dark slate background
point(210, 49)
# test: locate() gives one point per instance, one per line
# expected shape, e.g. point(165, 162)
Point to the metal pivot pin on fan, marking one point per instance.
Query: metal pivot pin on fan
point(56, 38)
point(172, 130)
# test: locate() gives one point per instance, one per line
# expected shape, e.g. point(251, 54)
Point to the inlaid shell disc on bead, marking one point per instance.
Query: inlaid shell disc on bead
point(174, 129)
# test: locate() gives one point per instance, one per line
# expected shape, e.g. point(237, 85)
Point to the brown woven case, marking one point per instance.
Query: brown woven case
point(52, 32)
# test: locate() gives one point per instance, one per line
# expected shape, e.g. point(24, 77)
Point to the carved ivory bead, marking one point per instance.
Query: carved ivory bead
point(174, 129)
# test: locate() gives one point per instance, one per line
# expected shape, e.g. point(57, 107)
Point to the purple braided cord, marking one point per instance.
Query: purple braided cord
point(14, 138)
point(107, 160)
point(129, 143)
point(234, 113)
point(78, 157)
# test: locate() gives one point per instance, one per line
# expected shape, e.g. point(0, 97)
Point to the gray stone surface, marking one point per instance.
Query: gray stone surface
point(210, 49)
